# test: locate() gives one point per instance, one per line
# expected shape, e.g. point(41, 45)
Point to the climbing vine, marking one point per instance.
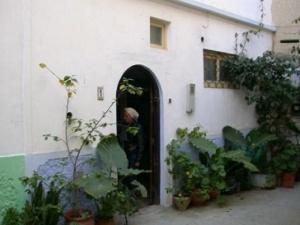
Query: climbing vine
point(241, 43)
point(296, 48)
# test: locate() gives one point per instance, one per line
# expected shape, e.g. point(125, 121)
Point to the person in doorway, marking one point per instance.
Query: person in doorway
point(131, 137)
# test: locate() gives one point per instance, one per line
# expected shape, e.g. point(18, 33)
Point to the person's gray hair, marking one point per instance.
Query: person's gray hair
point(132, 112)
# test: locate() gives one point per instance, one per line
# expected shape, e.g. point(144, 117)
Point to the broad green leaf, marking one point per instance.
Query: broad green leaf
point(256, 138)
point(203, 145)
point(96, 185)
point(234, 137)
point(239, 156)
point(111, 154)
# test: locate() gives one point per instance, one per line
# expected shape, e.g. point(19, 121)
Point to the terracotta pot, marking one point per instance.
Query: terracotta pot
point(198, 199)
point(75, 215)
point(106, 221)
point(288, 180)
point(214, 194)
point(181, 202)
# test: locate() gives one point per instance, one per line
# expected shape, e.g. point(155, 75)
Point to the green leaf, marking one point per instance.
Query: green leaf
point(133, 130)
point(234, 137)
point(256, 138)
point(111, 154)
point(239, 157)
point(203, 145)
point(42, 65)
point(96, 185)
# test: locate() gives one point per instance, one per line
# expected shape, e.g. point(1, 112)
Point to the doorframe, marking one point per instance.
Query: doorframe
point(164, 198)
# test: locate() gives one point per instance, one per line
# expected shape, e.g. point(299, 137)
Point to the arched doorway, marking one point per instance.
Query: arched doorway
point(148, 106)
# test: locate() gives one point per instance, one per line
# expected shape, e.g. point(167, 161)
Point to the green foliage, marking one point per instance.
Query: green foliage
point(233, 138)
point(106, 205)
point(296, 48)
point(187, 174)
point(217, 172)
point(42, 207)
point(111, 154)
point(107, 186)
point(207, 173)
point(287, 159)
point(203, 144)
point(86, 133)
point(241, 40)
point(240, 157)
point(267, 82)
point(133, 130)
point(11, 217)
point(97, 185)
point(126, 86)
point(254, 145)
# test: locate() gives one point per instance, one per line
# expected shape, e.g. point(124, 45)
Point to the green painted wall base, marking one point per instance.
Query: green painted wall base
point(11, 190)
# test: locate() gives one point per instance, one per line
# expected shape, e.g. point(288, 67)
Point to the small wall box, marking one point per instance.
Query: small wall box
point(190, 101)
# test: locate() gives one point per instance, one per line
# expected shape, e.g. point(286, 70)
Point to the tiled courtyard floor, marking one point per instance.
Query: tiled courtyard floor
point(257, 207)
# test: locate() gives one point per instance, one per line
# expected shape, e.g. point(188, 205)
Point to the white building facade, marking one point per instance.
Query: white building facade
point(98, 40)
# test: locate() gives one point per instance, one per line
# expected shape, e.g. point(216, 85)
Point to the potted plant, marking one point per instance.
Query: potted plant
point(255, 146)
point(285, 164)
point(220, 163)
point(85, 133)
point(108, 185)
point(207, 174)
point(178, 164)
point(42, 205)
point(181, 201)
point(106, 209)
point(217, 174)
point(198, 183)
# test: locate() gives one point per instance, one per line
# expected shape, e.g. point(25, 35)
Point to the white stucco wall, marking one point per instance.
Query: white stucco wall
point(244, 8)
point(11, 117)
point(98, 41)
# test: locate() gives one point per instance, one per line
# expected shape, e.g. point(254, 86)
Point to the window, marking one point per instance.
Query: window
point(214, 75)
point(158, 33)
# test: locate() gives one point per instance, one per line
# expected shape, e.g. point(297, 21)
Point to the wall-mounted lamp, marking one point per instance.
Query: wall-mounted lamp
point(190, 98)
point(100, 93)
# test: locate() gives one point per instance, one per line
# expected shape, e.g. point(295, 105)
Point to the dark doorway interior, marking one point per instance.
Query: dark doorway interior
point(148, 107)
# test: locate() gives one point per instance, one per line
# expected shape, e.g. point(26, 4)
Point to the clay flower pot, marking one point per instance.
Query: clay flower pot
point(214, 194)
point(79, 216)
point(105, 221)
point(198, 199)
point(181, 202)
point(288, 180)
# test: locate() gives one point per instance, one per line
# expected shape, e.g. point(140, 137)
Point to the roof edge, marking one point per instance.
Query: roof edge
point(222, 13)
